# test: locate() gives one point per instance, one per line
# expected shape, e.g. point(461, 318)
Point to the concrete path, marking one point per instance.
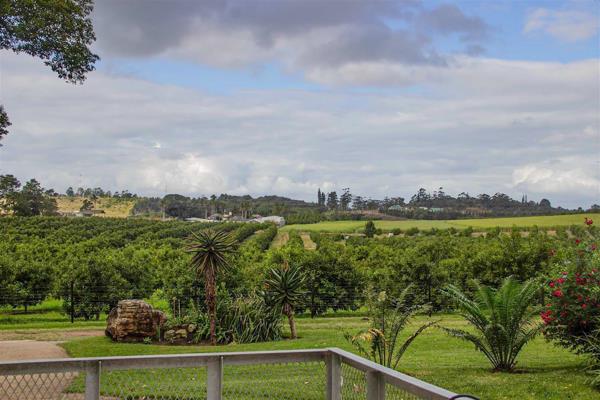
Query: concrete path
point(18, 350)
point(35, 387)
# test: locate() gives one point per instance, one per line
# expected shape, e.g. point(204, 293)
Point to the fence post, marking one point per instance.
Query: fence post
point(334, 376)
point(72, 310)
point(375, 386)
point(214, 378)
point(92, 381)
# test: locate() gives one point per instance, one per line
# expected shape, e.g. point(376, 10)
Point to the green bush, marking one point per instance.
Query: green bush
point(412, 231)
point(503, 320)
point(572, 313)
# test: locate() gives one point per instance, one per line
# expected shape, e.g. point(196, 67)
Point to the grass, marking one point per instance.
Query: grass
point(46, 315)
point(116, 208)
point(308, 242)
point(280, 239)
point(354, 226)
point(545, 371)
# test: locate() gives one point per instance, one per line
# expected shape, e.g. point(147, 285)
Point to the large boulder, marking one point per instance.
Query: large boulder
point(133, 321)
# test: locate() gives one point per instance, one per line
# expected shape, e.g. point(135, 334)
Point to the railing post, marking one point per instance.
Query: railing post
point(375, 386)
point(334, 376)
point(214, 378)
point(92, 381)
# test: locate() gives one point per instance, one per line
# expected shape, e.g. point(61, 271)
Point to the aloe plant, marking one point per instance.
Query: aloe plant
point(285, 288)
point(210, 249)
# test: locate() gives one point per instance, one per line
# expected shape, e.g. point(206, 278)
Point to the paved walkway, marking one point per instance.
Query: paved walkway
point(37, 387)
point(17, 350)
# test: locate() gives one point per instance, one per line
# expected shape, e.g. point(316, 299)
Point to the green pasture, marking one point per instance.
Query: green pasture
point(46, 315)
point(483, 223)
point(544, 371)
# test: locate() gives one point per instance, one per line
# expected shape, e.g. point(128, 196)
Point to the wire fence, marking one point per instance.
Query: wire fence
point(330, 374)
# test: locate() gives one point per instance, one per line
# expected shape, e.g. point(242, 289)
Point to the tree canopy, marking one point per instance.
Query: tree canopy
point(58, 32)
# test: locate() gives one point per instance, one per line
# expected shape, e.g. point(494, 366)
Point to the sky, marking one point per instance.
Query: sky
point(285, 97)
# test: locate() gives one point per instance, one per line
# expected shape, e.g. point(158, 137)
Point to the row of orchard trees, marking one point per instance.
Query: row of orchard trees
point(93, 263)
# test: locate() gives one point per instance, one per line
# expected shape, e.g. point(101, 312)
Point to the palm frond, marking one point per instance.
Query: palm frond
point(502, 319)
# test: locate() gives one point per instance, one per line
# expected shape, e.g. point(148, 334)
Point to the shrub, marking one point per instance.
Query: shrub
point(264, 238)
point(503, 319)
point(370, 229)
point(389, 317)
point(412, 231)
point(467, 232)
point(249, 320)
point(573, 312)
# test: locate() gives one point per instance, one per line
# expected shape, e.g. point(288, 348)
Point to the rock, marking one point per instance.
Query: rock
point(191, 328)
point(181, 334)
point(170, 335)
point(178, 334)
point(133, 321)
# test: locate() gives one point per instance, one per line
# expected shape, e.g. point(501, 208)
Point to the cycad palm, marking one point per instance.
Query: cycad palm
point(503, 318)
point(285, 290)
point(210, 250)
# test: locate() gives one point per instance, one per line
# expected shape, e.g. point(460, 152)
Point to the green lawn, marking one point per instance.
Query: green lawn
point(354, 226)
point(545, 371)
point(47, 315)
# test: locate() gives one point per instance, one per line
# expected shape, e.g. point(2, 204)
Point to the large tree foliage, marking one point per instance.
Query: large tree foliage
point(57, 31)
point(32, 199)
point(4, 122)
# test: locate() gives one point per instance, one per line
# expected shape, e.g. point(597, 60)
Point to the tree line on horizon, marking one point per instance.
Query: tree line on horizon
point(33, 199)
point(440, 205)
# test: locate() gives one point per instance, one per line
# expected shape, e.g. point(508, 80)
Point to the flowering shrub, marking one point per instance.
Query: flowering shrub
point(573, 311)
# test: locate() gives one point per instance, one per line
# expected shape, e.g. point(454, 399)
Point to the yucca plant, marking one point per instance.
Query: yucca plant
point(210, 249)
point(504, 319)
point(389, 317)
point(284, 290)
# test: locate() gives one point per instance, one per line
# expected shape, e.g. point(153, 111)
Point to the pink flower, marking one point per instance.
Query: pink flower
point(557, 293)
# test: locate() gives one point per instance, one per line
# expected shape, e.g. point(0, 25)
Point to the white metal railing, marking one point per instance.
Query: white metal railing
point(264, 374)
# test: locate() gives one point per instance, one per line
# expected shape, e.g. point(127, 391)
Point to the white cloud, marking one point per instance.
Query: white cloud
point(568, 25)
point(568, 176)
point(474, 128)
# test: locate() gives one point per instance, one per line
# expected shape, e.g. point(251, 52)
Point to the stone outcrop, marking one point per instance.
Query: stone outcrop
point(180, 334)
point(133, 321)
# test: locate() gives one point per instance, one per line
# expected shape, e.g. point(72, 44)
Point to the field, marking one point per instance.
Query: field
point(113, 207)
point(107, 259)
point(545, 371)
point(354, 226)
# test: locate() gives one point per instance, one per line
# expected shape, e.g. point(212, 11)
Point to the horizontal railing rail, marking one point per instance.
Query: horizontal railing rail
point(334, 384)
